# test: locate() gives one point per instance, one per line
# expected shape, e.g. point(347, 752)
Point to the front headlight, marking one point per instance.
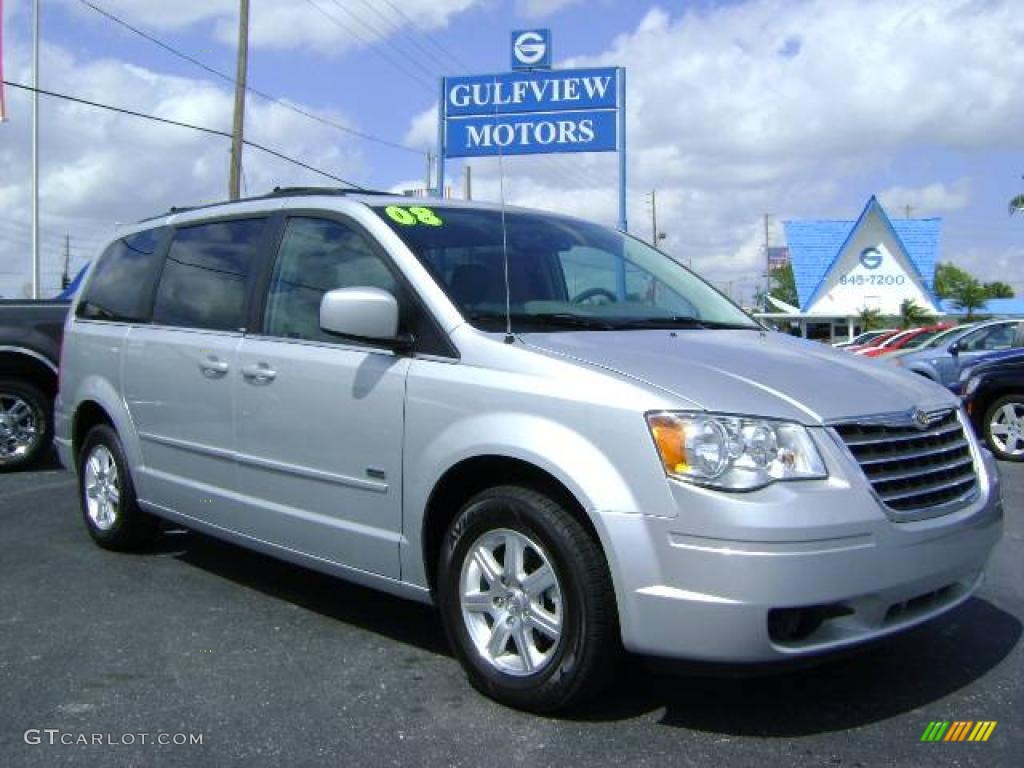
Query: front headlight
point(733, 453)
point(972, 385)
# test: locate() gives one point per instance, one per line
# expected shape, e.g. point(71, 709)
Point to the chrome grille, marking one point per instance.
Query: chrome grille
point(914, 469)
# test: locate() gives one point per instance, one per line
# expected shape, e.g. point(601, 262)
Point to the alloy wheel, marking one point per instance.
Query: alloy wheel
point(1007, 429)
point(102, 488)
point(511, 602)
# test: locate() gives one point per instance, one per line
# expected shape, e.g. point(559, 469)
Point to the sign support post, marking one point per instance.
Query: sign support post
point(622, 150)
point(442, 150)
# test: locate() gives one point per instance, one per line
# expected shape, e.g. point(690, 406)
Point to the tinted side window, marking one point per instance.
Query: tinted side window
point(205, 277)
point(121, 286)
point(989, 339)
point(316, 256)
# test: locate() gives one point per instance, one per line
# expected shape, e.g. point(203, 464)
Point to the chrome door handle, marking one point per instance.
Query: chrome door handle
point(261, 373)
point(212, 368)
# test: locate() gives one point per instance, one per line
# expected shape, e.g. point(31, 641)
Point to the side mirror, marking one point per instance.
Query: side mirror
point(363, 314)
point(954, 348)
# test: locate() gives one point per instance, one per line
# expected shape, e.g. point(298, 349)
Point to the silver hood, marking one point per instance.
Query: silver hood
point(747, 372)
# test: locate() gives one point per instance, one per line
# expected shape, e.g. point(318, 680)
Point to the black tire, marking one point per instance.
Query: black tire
point(1015, 400)
point(128, 528)
point(39, 418)
point(584, 657)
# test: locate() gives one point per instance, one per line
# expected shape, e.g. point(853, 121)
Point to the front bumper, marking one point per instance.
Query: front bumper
point(792, 570)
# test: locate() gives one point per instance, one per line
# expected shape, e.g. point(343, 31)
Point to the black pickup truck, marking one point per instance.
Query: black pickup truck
point(30, 337)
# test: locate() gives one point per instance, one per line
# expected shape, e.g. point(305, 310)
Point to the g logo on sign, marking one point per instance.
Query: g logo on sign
point(531, 48)
point(871, 258)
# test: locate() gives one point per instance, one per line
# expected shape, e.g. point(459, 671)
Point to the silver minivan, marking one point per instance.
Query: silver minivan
point(568, 442)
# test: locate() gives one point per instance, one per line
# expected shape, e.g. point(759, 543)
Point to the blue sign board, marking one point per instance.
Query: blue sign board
point(531, 49)
point(534, 110)
point(531, 134)
point(522, 113)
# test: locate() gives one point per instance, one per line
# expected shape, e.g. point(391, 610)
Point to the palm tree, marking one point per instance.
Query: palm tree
point(911, 314)
point(870, 319)
point(1017, 205)
point(970, 296)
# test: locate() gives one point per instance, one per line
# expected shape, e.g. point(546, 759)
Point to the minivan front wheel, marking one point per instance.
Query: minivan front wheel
point(527, 601)
point(109, 507)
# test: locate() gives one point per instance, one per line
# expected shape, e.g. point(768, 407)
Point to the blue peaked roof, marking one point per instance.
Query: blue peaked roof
point(815, 246)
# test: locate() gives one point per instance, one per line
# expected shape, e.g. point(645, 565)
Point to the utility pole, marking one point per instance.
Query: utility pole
point(656, 236)
point(430, 172)
point(238, 126)
point(35, 149)
point(65, 278)
point(467, 181)
point(906, 210)
point(654, 218)
point(767, 264)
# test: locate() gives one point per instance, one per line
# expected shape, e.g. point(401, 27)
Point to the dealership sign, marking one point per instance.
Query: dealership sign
point(525, 113)
point(534, 110)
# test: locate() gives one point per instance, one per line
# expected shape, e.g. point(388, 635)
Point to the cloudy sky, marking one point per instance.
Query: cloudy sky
point(797, 108)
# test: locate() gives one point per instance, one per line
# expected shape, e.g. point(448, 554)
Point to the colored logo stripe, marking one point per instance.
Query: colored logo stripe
point(958, 730)
point(982, 730)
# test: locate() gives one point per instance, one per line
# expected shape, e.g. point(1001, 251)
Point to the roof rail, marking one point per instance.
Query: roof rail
point(277, 192)
point(298, 191)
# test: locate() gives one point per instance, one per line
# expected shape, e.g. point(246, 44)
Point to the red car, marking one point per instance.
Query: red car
point(904, 340)
point(874, 342)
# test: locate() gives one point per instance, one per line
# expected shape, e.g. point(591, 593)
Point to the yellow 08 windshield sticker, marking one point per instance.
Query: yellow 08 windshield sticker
point(410, 217)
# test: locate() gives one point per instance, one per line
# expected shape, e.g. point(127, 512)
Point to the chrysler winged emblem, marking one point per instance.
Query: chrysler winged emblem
point(921, 419)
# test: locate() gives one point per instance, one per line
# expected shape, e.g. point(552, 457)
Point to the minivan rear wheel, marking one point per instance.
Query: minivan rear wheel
point(527, 601)
point(107, 495)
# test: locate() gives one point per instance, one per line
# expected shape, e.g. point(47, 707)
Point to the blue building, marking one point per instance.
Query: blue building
point(843, 267)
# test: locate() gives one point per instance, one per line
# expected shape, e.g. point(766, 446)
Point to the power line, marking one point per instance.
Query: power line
point(396, 64)
point(180, 124)
point(426, 35)
point(255, 91)
point(397, 28)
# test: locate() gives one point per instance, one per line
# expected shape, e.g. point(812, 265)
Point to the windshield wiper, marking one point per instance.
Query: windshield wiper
point(549, 319)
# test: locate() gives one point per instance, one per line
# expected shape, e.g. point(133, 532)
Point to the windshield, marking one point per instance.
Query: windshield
point(944, 336)
point(563, 273)
point(921, 338)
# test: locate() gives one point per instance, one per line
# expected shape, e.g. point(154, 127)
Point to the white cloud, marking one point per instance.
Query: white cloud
point(422, 131)
point(539, 8)
point(338, 25)
point(928, 200)
point(98, 168)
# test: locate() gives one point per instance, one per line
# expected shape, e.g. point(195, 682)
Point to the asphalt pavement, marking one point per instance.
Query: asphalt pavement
point(266, 663)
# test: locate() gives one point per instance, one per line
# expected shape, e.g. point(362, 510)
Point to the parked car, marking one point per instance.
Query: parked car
point(943, 363)
point(566, 440)
point(994, 398)
point(30, 336)
point(880, 339)
point(968, 370)
point(859, 340)
point(910, 338)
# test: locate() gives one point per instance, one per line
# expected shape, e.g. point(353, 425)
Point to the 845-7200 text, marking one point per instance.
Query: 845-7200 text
point(872, 280)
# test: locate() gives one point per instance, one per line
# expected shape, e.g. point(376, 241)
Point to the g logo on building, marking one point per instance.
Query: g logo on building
point(531, 48)
point(871, 258)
